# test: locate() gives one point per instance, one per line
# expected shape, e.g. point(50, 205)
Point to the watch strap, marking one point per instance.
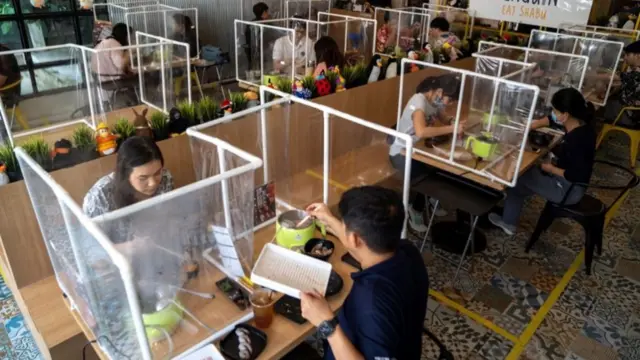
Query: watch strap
point(327, 328)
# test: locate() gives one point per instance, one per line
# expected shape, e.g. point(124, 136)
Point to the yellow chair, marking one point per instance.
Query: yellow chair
point(634, 135)
point(178, 85)
point(15, 110)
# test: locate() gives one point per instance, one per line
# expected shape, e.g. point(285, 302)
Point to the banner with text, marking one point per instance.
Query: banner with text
point(550, 13)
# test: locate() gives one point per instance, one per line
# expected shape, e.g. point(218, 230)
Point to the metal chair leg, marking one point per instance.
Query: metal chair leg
point(466, 247)
point(431, 218)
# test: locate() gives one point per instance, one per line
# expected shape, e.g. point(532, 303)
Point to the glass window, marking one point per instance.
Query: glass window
point(10, 35)
point(38, 6)
point(86, 30)
point(26, 88)
point(6, 7)
point(57, 77)
point(48, 32)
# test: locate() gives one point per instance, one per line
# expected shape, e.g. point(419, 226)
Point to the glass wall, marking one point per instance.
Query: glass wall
point(40, 23)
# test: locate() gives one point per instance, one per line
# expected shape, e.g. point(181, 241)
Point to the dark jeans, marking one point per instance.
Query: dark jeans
point(418, 169)
point(535, 181)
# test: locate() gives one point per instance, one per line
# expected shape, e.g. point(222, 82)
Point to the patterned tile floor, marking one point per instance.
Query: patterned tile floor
point(596, 318)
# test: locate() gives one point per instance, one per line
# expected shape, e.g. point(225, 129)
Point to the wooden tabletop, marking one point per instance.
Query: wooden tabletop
point(283, 334)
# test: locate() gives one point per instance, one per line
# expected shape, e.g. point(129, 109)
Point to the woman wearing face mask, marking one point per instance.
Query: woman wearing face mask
point(139, 175)
point(573, 161)
point(420, 119)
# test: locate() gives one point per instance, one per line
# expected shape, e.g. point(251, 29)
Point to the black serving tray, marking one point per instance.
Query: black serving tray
point(234, 292)
point(289, 307)
point(229, 345)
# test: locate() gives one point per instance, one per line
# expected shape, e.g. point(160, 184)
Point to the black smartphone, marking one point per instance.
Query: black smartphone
point(347, 258)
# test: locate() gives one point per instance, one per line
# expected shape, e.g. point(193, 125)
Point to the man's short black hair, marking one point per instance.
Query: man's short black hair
point(633, 48)
point(449, 83)
point(376, 214)
point(440, 23)
point(259, 9)
point(428, 84)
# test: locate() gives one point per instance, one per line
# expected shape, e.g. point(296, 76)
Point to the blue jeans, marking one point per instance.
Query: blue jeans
point(534, 181)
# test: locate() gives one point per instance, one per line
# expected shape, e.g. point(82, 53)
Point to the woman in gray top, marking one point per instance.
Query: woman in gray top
point(419, 119)
point(139, 175)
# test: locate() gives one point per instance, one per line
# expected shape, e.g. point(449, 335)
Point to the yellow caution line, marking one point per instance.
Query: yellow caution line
point(476, 317)
point(528, 332)
point(331, 182)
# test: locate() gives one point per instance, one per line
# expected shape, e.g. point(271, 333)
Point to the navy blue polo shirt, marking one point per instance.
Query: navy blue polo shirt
point(383, 314)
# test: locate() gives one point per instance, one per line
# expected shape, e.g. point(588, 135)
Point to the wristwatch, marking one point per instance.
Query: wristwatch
point(327, 328)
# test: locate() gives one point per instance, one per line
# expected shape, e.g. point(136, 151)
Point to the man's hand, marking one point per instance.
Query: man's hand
point(315, 308)
point(321, 212)
point(547, 167)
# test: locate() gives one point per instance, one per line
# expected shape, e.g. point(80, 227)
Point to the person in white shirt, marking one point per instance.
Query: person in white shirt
point(285, 48)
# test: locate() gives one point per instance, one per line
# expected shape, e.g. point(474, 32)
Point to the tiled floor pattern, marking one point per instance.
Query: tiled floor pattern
point(596, 318)
point(16, 342)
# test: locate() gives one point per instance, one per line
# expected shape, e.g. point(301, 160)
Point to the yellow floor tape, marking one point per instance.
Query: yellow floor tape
point(331, 182)
point(528, 332)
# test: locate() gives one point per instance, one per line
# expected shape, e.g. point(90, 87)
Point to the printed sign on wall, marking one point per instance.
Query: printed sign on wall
point(550, 13)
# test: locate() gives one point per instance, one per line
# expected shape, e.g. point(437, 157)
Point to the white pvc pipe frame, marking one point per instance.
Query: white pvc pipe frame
point(162, 42)
point(310, 2)
point(599, 30)
point(348, 18)
point(327, 112)
point(576, 38)
point(164, 10)
point(528, 51)
point(89, 79)
point(92, 225)
point(424, 32)
point(464, 74)
point(238, 47)
point(443, 8)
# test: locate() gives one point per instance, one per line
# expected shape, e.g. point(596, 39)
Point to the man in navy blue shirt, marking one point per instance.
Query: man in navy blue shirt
point(383, 315)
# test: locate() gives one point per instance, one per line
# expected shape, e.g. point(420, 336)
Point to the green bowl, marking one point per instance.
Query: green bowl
point(493, 120)
point(168, 319)
point(270, 78)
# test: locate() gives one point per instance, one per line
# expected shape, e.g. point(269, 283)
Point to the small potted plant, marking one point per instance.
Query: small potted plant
point(238, 100)
point(84, 140)
point(159, 123)
point(332, 78)
point(39, 150)
point(309, 83)
point(123, 129)
point(188, 112)
point(207, 109)
point(8, 158)
point(355, 75)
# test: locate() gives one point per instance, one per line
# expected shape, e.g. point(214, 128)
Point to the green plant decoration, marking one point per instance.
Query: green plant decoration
point(238, 101)
point(284, 84)
point(8, 158)
point(355, 75)
point(158, 121)
point(332, 77)
point(84, 138)
point(309, 83)
point(188, 111)
point(39, 150)
point(207, 109)
point(124, 129)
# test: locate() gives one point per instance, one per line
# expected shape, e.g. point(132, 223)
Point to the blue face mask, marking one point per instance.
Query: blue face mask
point(554, 118)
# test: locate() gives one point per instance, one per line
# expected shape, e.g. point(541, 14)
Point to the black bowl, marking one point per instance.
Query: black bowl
point(327, 244)
point(540, 139)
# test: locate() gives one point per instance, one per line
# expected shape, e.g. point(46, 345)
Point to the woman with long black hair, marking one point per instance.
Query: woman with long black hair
point(139, 175)
point(572, 161)
point(328, 55)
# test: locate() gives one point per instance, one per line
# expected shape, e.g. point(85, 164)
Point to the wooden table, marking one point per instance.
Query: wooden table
point(283, 335)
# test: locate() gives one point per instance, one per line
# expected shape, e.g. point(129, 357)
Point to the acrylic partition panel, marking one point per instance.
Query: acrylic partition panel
point(276, 9)
point(94, 276)
point(160, 237)
point(354, 35)
point(499, 67)
point(496, 114)
point(601, 32)
point(400, 31)
point(159, 65)
point(552, 67)
point(56, 97)
point(604, 59)
point(115, 12)
point(461, 20)
point(264, 52)
point(311, 153)
point(305, 9)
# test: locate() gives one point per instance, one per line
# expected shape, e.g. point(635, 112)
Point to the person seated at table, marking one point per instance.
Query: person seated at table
point(139, 175)
point(185, 31)
point(573, 161)
point(112, 64)
point(328, 55)
point(9, 69)
point(383, 314)
point(439, 35)
point(300, 46)
point(421, 119)
point(629, 91)
point(260, 13)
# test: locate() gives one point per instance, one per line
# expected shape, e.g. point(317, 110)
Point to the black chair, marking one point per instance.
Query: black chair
point(590, 213)
point(445, 354)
